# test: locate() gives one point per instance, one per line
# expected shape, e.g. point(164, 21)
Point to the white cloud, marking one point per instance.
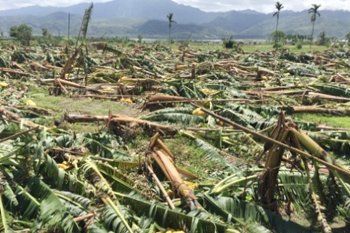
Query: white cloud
point(266, 6)
point(12, 4)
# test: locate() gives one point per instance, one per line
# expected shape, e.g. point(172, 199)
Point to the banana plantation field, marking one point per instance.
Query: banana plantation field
point(103, 137)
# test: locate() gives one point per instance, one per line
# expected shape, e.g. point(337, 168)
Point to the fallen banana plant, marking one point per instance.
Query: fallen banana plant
point(165, 194)
point(164, 99)
point(63, 82)
point(318, 151)
point(318, 205)
point(13, 72)
point(298, 151)
point(119, 119)
point(268, 180)
point(14, 117)
point(161, 156)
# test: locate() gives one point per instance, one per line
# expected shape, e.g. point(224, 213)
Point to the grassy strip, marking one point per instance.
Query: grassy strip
point(335, 121)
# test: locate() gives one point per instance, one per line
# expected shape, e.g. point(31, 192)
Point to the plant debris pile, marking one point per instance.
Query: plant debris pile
point(146, 138)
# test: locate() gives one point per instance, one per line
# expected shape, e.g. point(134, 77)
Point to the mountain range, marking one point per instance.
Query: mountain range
point(148, 18)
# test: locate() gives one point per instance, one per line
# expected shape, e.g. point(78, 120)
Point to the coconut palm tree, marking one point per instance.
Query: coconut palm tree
point(314, 11)
point(279, 7)
point(171, 21)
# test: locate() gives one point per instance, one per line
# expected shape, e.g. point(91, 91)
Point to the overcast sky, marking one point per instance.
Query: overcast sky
point(206, 5)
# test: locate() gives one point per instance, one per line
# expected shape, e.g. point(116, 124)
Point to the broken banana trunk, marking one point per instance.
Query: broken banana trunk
point(162, 158)
point(268, 180)
point(120, 120)
point(317, 151)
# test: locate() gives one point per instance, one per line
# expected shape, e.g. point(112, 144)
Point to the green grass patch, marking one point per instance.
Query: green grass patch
point(330, 120)
point(78, 105)
point(257, 47)
point(261, 47)
point(59, 105)
point(292, 48)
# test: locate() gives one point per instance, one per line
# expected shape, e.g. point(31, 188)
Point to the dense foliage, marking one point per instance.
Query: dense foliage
point(23, 33)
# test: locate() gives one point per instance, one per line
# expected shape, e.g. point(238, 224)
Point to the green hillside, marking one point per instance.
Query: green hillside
point(159, 28)
point(117, 18)
point(299, 24)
